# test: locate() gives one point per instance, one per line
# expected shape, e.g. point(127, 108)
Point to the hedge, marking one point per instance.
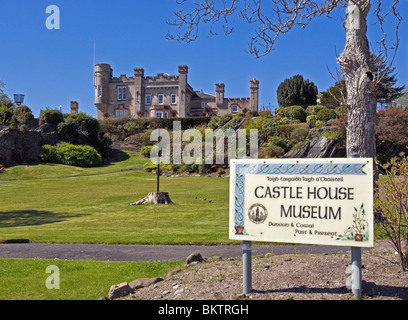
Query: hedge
point(72, 155)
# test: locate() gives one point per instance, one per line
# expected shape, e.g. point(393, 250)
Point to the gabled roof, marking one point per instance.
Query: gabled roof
point(202, 95)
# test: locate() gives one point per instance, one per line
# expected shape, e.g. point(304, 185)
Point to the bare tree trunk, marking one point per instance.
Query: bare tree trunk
point(360, 82)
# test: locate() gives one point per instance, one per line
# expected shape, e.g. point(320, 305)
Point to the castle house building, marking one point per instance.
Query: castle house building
point(162, 96)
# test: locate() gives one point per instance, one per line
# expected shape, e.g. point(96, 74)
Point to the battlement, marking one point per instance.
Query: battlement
point(122, 79)
point(219, 87)
point(238, 100)
point(254, 83)
point(139, 72)
point(183, 69)
point(161, 77)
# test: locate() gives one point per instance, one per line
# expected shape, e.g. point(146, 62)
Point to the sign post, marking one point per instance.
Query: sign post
point(247, 266)
point(356, 278)
point(307, 201)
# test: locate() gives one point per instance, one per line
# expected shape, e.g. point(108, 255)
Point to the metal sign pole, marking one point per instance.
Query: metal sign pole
point(158, 163)
point(356, 275)
point(247, 266)
point(356, 281)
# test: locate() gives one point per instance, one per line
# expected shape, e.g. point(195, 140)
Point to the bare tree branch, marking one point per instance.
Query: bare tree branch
point(270, 18)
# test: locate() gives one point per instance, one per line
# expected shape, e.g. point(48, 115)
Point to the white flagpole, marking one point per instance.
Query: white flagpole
point(94, 60)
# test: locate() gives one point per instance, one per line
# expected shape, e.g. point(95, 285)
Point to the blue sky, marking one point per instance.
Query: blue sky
point(53, 67)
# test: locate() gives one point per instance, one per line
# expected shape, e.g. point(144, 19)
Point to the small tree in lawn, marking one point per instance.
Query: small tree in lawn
point(391, 201)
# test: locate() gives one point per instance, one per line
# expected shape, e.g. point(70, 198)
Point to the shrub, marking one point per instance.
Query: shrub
point(299, 134)
point(49, 154)
point(341, 111)
point(72, 155)
point(68, 130)
point(145, 151)
point(51, 117)
point(224, 120)
point(253, 113)
point(270, 151)
point(392, 126)
point(149, 167)
point(295, 113)
point(130, 127)
point(87, 125)
point(5, 115)
point(278, 141)
point(326, 115)
point(273, 122)
point(23, 114)
point(313, 110)
point(391, 201)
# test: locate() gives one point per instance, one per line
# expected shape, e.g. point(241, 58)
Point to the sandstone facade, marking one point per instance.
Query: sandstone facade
point(162, 96)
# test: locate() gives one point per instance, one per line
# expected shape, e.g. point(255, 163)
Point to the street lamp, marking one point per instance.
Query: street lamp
point(19, 99)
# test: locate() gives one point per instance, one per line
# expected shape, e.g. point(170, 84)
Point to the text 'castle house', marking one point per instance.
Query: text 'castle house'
point(162, 96)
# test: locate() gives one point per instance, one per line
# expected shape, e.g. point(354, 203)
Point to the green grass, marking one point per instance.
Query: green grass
point(96, 208)
point(25, 279)
point(120, 161)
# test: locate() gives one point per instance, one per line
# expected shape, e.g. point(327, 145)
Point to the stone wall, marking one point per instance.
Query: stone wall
point(19, 147)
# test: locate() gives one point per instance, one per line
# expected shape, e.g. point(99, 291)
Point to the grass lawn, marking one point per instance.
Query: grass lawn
point(119, 161)
point(96, 208)
point(79, 280)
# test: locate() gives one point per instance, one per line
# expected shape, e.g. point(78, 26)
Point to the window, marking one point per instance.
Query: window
point(121, 93)
point(203, 104)
point(166, 114)
point(148, 99)
point(173, 99)
point(161, 99)
point(99, 91)
point(120, 113)
point(234, 108)
point(159, 115)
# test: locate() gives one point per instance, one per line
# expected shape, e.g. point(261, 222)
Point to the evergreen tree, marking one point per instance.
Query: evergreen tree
point(297, 91)
point(387, 91)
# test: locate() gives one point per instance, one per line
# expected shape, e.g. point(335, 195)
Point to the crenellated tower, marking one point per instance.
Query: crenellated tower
point(103, 75)
point(182, 91)
point(139, 93)
point(219, 94)
point(254, 89)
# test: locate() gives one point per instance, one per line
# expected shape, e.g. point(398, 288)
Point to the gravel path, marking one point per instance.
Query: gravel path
point(152, 253)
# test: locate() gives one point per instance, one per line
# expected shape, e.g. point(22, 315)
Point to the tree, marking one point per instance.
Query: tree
point(273, 18)
point(387, 91)
point(297, 91)
point(335, 96)
point(401, 102)
point(23, 114)
point(4, 99)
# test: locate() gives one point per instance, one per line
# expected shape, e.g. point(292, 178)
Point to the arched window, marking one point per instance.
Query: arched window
point(234, 108)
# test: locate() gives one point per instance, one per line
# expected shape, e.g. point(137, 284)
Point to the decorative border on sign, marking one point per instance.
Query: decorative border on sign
point(283, 169)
